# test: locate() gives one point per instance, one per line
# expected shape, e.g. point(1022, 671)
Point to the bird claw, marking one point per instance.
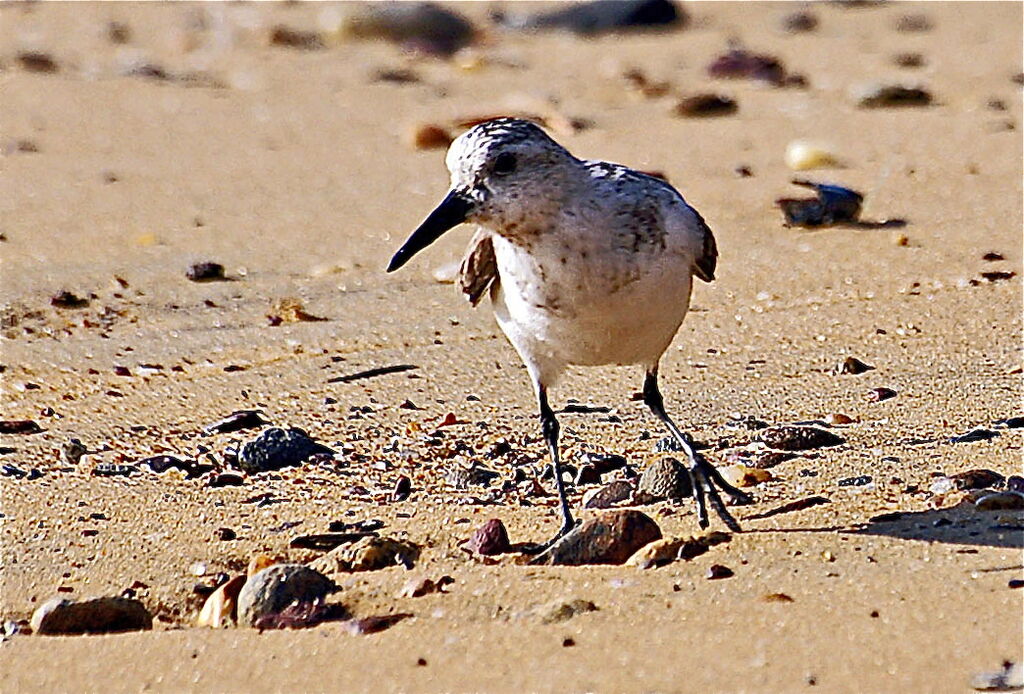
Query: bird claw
point(707, 480)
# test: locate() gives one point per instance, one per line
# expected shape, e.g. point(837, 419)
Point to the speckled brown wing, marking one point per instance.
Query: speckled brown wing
point(479, 269)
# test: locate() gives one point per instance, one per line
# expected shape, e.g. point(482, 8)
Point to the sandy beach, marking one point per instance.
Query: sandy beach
point(171, 134)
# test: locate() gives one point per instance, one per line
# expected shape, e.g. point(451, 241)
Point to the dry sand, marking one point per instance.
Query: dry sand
point(297, 176)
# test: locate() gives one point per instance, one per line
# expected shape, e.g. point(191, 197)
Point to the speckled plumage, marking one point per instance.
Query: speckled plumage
point(586, 263)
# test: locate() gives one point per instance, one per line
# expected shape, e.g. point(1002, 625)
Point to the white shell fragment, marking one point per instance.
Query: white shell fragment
point(802, 155)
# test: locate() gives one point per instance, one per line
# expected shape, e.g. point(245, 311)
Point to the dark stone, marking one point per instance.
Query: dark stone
point(858, 481)
point(742, 64)
point(798, 438)
point(99, 616)
point(716, 571)
point(276, 448)
point(66, 299)
point(706, 105)
point(489, 539)
point(894, 95)
point(402, 490)
point(205, 272)
point(799, 22)
point(604, 16)
point(162, 463)
point(853, 366)
point(19, 426)
point(609, 538)
point(610, 494)
point(422, 26)
point(977, 479)
point(834, 205)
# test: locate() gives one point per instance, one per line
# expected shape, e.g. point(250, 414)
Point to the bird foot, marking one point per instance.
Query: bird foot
point(708, 480)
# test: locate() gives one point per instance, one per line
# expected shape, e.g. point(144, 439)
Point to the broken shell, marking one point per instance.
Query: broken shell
point(743, 476)
point(220, 607)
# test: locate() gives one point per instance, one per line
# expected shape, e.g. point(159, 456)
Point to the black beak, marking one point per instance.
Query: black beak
point(452, 211)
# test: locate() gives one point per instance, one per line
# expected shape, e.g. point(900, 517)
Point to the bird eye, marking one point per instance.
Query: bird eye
point(505, 164)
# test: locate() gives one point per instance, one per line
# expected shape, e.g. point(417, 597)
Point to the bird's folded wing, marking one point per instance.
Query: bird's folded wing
point(479, 268)
point(708, 258)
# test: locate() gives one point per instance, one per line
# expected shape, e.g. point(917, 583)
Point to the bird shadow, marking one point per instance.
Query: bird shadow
point(959, 525)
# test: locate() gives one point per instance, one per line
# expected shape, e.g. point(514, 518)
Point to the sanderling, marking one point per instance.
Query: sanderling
point(587, 263)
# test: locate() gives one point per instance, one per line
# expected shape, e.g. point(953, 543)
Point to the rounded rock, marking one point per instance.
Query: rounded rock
point(273, 589)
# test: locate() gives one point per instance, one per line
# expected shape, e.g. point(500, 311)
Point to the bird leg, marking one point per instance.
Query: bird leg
point(704, 477)
point(550, 427)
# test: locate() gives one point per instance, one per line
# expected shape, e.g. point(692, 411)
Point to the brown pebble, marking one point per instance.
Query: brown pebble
point(909, 60)
point(665, 478)
point(372, 625)
point(568, 643)
point(705, 105)
point(287, 37)
point(118, 32)
point(777, 597)
point(912, 23)
point(428, 136)
point(37, 61)
point(799, 22)
point(226, 534)
point(894, 95)
point(489, 539)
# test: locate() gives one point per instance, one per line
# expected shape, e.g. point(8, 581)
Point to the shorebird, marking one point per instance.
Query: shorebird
point(586, 263)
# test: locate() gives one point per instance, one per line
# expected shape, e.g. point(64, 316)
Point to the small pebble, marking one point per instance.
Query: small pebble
point(19, 426)
point(798, 438)
point(738, 63)
point(428, 136)
point(800, 22)
point(607, 496)
point(833, 205)
point(716, 571)
point(853, 366)
point(205, 272)
point(909, 60)
point(287, 37)
point(880, 394)
point(489, 539)
point(66, 299)
point(562, 610)
point(892, 95)
point(977, 479)
point(705, 105)
point(37, 61)
point(377, 623)
point(403, 488)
